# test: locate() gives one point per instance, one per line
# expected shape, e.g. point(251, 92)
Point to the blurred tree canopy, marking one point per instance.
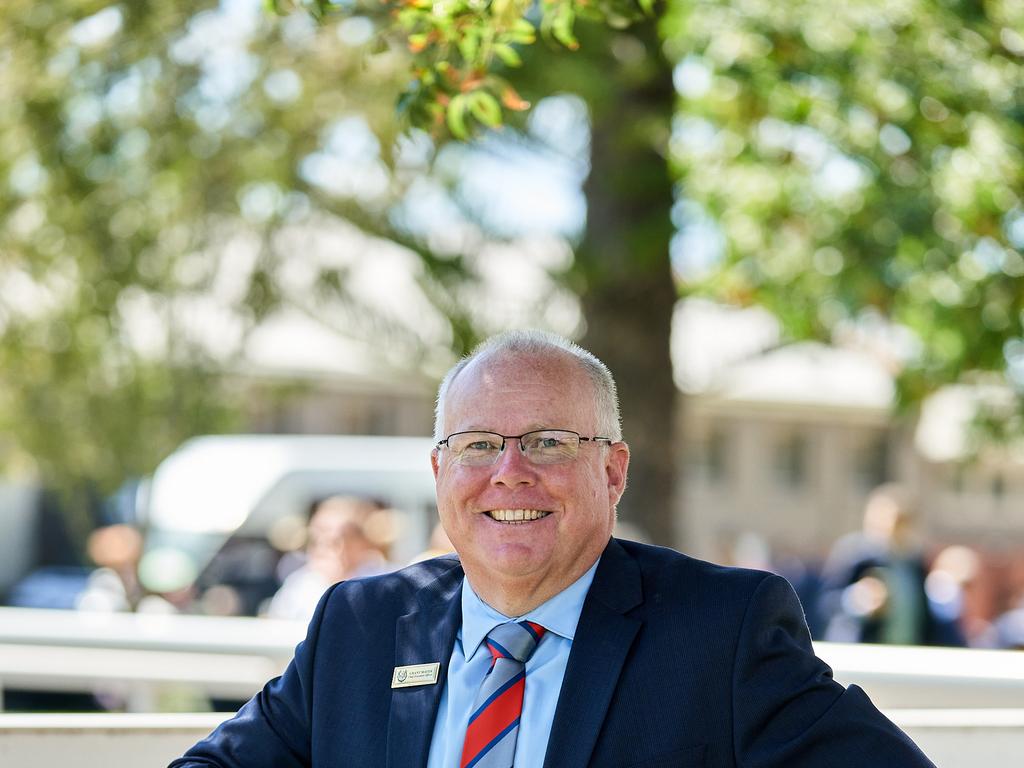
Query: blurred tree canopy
point(835, 164)
point(857, 170)
point(863, 161)
point(139, 143)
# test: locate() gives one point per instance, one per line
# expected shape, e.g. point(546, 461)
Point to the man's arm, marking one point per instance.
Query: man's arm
point(789, 712)
point(272, 730)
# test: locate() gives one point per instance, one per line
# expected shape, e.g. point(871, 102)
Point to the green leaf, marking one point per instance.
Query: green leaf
point(456, 116)
point(509, 56)
point(522, 32)
point(418, 42)
point(469, 46)
point(485, 108)
point(562, 24)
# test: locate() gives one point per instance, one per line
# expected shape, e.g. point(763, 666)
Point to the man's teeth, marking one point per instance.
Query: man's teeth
point(516, 516)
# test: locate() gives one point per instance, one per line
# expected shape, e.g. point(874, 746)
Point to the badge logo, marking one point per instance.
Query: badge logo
point(415, 674)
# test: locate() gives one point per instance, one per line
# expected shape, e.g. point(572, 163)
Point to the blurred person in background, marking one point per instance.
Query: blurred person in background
point(338, 548)
point(1009, 625)
point(438, 545)
point(873, 580)
point(953, 587)
point(114, 584)
point(1009, 630)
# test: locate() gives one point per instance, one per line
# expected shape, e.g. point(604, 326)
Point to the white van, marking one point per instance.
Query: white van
point(221, 489)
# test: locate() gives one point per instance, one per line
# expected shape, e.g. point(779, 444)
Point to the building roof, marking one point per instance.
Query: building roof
point(736, 355)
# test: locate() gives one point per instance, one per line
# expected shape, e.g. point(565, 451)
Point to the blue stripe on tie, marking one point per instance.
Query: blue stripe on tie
point(480, 755)
point(501, 649)
point(526, 625)
point(511, 681)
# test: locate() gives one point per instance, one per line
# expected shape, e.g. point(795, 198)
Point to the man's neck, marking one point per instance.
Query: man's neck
point(512, 602)
point(517, 597)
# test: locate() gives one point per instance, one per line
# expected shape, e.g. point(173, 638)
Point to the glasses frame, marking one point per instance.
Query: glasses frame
point(522, 446)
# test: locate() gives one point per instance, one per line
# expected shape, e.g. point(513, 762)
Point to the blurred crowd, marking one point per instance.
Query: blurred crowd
point(281, 575)
point(886, 583)
point(881, 584)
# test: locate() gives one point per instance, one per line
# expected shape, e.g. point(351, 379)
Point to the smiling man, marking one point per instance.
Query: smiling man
point(527, 522)
point(546, 642)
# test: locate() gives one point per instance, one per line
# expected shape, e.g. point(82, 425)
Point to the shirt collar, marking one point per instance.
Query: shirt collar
point(560, 614)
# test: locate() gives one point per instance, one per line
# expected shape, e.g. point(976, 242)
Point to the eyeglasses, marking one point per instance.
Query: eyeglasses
point(542, 446)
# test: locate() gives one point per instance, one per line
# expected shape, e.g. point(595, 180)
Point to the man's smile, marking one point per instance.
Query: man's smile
point(515, 516)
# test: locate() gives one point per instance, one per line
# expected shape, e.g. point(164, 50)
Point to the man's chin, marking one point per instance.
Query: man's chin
point(510, 562)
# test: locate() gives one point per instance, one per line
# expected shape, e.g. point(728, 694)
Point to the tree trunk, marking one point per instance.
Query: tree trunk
point(623, 263)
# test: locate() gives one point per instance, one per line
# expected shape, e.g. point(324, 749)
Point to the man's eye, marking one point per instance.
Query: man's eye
point(481, 445)
point(544, 443)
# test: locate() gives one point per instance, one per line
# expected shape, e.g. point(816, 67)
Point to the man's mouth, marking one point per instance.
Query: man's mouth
point(515, 516)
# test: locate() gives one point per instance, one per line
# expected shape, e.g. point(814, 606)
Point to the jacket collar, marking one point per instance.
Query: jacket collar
point(422, 636)
point(603, 639)
point(604, 636)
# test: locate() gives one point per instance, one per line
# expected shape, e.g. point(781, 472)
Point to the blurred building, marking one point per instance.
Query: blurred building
point(786, 440)
point(781, 439)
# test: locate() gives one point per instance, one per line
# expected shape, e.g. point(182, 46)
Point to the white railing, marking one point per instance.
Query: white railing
point(99, 741)
point(951, 738)
point(140, 657)
point(150, 632)
point(905, 677)
point(146, 662)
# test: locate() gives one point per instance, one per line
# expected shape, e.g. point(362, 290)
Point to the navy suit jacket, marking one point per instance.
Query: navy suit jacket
point(676, 663)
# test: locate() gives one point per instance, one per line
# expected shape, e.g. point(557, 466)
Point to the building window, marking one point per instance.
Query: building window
point(789, 463)
point(712, 458)
point(998, 487)
point(872, 462)
point(959, 478)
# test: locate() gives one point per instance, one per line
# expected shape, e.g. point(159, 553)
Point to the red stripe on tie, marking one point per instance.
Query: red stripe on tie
point(538, 630)
point(498, 716)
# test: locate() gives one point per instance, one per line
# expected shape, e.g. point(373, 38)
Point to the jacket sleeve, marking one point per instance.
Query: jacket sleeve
point(272, 730)
point(788, 711)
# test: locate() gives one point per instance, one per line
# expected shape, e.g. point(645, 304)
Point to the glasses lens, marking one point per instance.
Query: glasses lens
point(551, 446)
point(475, 449)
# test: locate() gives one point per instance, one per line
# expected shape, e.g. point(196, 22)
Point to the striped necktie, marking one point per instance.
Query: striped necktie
point(494, 725)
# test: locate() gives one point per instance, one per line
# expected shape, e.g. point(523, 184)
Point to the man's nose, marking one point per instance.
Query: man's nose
point(512, 466)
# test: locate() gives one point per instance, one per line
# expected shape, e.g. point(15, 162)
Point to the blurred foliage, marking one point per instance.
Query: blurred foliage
point(461, 48)
point(862, 161)
point(151, 155)
point(862, 165)
point(157, 161)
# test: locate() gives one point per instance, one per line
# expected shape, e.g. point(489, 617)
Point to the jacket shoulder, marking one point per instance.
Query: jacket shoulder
point(672, 563)
point(437, 579)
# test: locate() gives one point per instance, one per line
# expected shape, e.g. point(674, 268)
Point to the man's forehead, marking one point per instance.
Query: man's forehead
point(514, 370)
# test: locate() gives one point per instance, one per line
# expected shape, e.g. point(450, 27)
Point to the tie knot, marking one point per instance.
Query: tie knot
point(514, 641)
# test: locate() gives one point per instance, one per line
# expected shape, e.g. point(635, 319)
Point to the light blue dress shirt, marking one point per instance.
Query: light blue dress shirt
point(544, 672)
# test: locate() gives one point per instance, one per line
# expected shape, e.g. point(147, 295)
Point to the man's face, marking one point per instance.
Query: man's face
point(511, 395)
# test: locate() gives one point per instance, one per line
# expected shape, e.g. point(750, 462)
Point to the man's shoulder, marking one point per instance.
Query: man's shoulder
point(663, 565)
point(427, 581)
point(679, 587)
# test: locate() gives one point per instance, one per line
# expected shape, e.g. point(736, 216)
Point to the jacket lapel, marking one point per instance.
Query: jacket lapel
point(423, 636)
point(603, 639)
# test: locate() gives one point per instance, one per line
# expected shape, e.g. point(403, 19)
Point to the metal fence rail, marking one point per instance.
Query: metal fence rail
point(140, 657)
point(150, 632)
point(951, 738)
point(903, 677)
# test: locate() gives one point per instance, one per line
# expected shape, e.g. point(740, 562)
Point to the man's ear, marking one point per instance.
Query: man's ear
point(617, 465)
point(433, 462)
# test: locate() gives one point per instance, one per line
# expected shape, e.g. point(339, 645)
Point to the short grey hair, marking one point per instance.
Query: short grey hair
point(534, 342)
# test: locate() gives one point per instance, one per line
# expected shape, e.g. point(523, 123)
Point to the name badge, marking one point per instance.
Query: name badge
point(415, 674)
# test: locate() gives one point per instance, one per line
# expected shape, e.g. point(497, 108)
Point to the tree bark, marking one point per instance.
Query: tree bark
point(626, 282)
